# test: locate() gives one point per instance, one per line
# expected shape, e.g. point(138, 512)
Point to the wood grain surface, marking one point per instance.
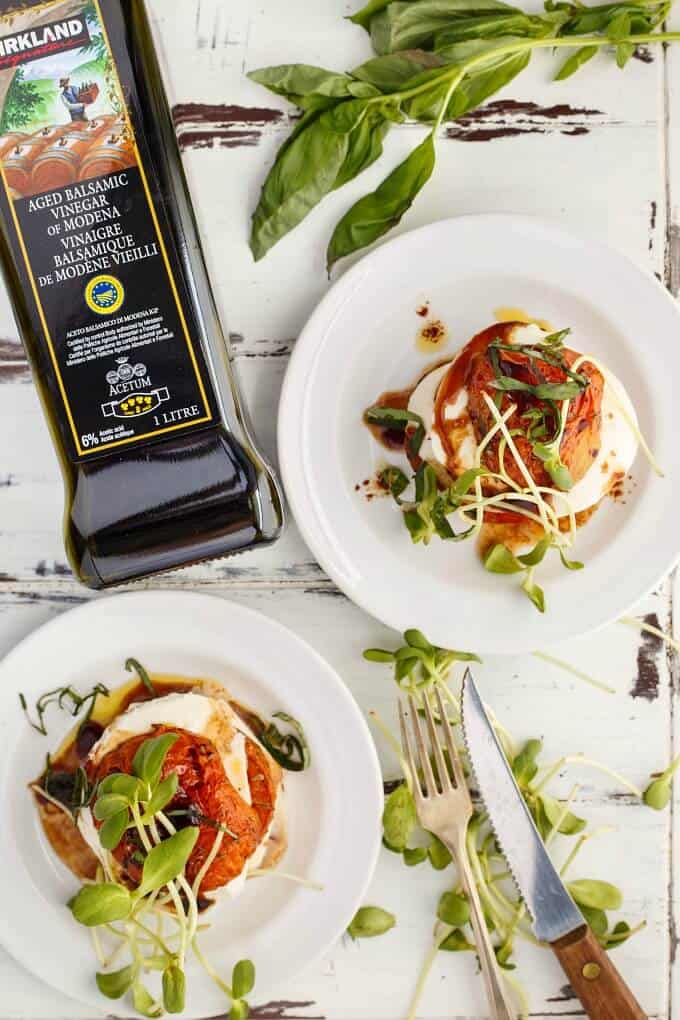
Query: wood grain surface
point(599, 153)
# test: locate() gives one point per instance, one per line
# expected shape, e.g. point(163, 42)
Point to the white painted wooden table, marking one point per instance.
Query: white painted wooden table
point(600, 153)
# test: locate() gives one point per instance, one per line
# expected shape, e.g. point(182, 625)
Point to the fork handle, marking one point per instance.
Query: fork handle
point(501, 1008)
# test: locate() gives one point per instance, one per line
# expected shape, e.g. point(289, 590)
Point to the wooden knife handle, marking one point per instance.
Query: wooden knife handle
point(598, 984)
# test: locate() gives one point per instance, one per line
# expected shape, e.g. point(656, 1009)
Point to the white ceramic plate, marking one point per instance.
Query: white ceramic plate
point(333, 810)
point(360, 341)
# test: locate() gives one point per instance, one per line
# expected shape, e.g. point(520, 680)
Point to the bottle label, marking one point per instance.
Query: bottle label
point(90, 236)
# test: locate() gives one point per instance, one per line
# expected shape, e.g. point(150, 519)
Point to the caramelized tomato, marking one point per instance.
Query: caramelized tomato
point(206, 799)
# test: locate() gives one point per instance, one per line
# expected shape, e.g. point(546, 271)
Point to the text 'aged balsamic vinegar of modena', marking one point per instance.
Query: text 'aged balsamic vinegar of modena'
point(111, 295)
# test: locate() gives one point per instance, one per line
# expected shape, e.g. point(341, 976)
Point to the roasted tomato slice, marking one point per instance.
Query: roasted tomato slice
point(205, 798)
point(581, 439)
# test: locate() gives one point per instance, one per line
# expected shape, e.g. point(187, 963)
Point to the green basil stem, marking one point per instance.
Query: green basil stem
point(458, 71)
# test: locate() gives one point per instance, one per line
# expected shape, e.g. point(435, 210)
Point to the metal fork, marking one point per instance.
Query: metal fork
point(446, 812)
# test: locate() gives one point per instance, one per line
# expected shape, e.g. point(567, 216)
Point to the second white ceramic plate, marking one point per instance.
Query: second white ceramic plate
point(333, 810)
point(361, 341)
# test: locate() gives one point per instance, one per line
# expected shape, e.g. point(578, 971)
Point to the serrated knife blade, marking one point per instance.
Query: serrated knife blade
point(552, 909)
point(557, 920)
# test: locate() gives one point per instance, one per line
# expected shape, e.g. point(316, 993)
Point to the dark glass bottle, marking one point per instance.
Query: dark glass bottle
point(103, 261)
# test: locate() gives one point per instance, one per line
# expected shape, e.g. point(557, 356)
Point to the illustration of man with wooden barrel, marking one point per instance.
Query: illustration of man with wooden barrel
point(71, 98)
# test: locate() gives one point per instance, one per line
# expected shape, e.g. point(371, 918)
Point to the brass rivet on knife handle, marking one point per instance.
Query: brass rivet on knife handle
point(594, 978)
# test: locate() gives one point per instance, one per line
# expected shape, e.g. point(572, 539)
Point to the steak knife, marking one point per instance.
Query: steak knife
point(556, 918)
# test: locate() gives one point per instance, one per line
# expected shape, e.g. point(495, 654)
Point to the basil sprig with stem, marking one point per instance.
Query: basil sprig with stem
point(137, 802)
point(436, 61)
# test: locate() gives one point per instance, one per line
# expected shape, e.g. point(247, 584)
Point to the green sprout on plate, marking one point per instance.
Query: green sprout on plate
point(135, 918)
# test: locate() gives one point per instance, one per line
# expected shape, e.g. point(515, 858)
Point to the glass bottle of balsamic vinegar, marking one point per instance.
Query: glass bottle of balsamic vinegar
point(102, 259)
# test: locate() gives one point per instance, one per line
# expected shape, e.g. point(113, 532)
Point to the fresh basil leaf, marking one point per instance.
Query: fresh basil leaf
point(375, 214)
point(305, 171)
point(399, 818)
point(624, 52)
point(484, 82)
point(363, 90)
point(390, 417)
point(243, 979)
point(404, 26)
point(108, 805)
point(619, 27)
point(391, 73)
point(596, 895)
point(144, 1003)
point(416, 440)
point(345, 117)
point(491, 25)
point(148, 762)
point(365, 146)
point(101, 904)
point(535, 593)
point(161, 797)
point(544, 391)
point(116, 984)
point(302, 80)
point(167, 860)
point(419, 529)
point(441, 524)
point(113, 830)
point(426, 484)
point(500, 560)
point(576, 61)
point(364, 16)
point(537, 554)
point(426, 105)
point(453, 909)
point(174, 988)
point(370, 922)
point(395, 480)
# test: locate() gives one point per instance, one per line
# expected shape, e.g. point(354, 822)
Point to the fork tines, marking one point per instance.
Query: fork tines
point(444, 779)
